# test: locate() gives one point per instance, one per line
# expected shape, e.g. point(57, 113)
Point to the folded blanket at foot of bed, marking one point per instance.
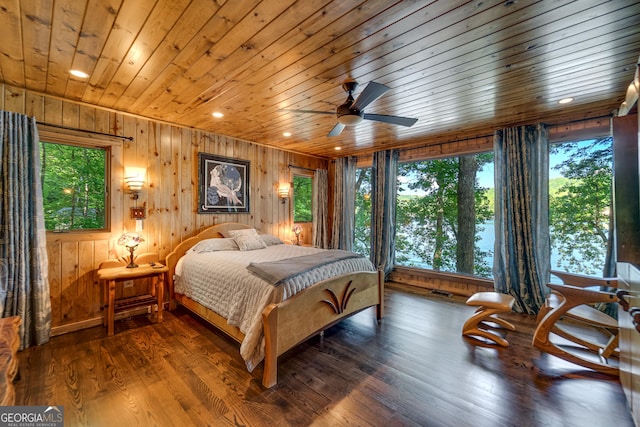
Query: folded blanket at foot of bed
point(275, 272)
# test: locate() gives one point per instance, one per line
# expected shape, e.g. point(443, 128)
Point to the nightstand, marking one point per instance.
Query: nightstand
point(109, 277)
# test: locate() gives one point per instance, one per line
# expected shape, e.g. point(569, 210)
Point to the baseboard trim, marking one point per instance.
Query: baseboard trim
point(96, 321)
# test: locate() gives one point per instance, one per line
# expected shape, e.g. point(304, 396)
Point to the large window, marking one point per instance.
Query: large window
point(73, 186)
point(580, 218)
point(445, 215)
point(302, 198)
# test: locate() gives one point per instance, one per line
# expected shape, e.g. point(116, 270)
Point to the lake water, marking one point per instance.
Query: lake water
point(486, 242)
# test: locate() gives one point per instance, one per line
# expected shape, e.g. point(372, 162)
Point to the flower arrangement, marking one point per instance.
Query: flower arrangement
point(297, 229)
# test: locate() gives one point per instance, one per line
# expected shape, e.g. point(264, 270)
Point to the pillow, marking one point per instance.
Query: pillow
point(211, 245)
point(271, 240)
point(227, 233)
point(248, 239)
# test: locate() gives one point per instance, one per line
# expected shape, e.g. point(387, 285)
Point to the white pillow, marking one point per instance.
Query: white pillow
point(248, 239)
point(211, 245)
point(271, 240)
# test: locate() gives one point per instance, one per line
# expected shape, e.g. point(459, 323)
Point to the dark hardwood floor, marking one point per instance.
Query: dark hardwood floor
point(413, 369)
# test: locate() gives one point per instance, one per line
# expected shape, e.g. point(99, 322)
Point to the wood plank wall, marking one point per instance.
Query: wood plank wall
point(170, 193)
point(170, 155)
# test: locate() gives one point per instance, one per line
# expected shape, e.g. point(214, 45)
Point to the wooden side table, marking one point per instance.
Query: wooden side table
point(110, 276)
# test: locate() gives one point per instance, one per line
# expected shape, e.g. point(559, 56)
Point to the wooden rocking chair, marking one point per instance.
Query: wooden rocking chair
point(573, 302)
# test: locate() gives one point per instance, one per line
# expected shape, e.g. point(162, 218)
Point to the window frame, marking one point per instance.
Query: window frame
point(80, 139)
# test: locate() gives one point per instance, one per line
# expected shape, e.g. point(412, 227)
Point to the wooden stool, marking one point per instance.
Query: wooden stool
point(488, 303)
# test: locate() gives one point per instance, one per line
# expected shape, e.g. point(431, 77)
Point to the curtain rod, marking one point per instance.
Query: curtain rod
point(130, 138)
point(301, 167)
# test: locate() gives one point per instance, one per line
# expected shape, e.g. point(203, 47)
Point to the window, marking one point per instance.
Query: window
point(445, 211)
point(580, 179)
point(444, 218)
point(302, 198)
point(362, 223)
point(73, 186)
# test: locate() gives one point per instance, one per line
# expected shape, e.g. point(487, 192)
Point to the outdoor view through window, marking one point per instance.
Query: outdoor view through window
point(73, 186)
point(302, 198)
point(445, 211)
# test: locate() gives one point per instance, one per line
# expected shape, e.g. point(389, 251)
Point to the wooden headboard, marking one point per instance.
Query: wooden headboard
point(213, 232)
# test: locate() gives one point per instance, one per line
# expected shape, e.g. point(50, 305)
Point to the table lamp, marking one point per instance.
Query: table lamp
point(131, 242)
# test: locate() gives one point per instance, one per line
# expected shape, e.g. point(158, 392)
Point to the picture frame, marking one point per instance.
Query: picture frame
point(223, 184)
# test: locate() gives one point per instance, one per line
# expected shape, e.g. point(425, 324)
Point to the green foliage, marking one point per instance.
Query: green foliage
point(427, 228)
point(362, 234)
point(73, 186)
point(580, 206)
point(427, 232)
point(302, 199)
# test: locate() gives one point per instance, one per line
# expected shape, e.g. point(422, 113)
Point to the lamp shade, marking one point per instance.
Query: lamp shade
point(283, 190)
point(134, 177)
point(130, 240)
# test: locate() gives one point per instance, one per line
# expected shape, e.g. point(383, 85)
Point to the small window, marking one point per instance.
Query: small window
point(73, 186)
point(302, 198)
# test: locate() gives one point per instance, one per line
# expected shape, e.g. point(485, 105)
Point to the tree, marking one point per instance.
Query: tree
point(467, 169)
point(362, 232)
point(580, 210)
point(430, 226)
point(73, 186)
point(302, 198)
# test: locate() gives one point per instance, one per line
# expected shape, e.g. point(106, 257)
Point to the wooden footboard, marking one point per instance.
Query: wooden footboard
point(317, 308)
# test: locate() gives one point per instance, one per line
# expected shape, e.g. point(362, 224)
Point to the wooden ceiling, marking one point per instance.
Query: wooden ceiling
point(463, 68)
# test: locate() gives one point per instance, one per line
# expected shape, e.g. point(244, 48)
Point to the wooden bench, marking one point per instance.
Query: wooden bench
point(489, 304)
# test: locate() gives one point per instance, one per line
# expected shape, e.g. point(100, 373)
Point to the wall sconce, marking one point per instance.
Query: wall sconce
point(283, 191)
point(134, 178)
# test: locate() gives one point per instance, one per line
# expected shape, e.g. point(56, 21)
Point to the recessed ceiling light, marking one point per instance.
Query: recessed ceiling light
point(79, 73)
point(217, 115)
point(338, 148)
point(287, 134)
point(565, 100)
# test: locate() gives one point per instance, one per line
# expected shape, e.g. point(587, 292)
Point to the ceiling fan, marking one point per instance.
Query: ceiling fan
point(352, 111)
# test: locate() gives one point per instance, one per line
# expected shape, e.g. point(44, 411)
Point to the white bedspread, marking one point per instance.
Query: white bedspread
point(221, 282)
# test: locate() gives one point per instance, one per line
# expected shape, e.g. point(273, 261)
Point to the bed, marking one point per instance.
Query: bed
point(280, 314)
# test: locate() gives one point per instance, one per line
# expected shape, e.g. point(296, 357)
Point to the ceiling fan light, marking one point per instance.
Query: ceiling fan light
point(349, 119)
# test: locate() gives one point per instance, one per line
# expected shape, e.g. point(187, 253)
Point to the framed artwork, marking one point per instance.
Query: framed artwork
point(223, 184)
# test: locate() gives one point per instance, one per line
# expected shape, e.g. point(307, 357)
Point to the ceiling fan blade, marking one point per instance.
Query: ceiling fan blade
point(370, 93)
point(394, 120)
point(337, 130)
point(308, 111)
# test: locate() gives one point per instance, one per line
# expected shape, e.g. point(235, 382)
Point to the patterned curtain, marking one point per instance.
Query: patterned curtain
point(383, 209)
point(320, 208)
point(342, 230)
point(24, 289)
point(522, 246)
